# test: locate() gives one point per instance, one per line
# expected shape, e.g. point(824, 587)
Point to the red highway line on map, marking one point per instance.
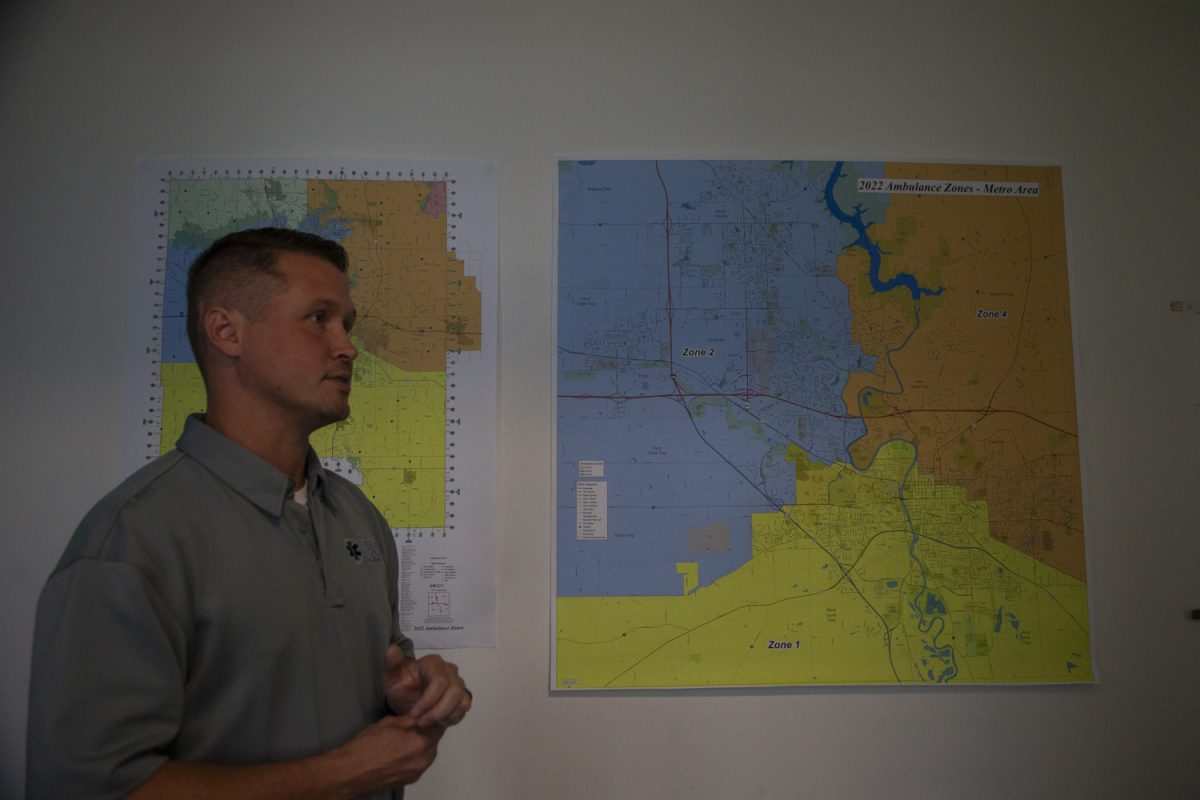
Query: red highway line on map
point(748, 394)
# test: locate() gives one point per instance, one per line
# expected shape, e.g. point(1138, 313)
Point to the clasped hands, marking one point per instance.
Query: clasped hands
point(427, 689)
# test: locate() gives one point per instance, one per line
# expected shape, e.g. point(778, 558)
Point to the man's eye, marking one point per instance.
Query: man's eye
point(319, 316)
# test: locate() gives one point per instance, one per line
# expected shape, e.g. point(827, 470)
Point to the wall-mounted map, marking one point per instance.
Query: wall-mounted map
point(816, 423)
point(422, 242)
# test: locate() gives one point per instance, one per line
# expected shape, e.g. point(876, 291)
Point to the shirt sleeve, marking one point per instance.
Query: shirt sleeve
point(100, 726)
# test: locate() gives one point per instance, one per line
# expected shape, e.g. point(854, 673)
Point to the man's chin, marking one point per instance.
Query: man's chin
point(333, 415)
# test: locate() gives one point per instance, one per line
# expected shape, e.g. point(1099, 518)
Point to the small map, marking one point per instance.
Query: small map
point(424, 379)
point(816, 424)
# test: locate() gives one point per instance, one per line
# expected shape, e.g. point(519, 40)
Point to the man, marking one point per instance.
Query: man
point(224, 623)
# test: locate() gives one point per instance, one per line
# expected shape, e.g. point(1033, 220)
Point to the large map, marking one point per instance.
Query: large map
point(422, 247)
point(815, 424)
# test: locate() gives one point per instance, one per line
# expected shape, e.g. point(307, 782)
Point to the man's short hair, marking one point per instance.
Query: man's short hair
point(240, 270)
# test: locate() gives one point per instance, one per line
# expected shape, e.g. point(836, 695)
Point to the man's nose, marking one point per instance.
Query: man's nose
point(343, 347)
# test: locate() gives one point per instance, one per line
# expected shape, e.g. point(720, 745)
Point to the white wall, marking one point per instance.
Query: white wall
point(1107, 89)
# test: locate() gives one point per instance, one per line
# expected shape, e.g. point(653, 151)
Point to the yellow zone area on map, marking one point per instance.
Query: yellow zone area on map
point(183, 395)
point(395, 439)
point(874, 576)
point(392, 442)
point(981, 378)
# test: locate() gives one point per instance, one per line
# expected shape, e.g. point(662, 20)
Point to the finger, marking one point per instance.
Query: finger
point(401, 682)
point(449, 709)
point(461, 710)
point(437, 678)
point(397, 722)
point(434, 665)
point(393, 658)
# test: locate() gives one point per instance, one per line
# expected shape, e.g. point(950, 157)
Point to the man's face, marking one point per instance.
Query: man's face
point(296, 356)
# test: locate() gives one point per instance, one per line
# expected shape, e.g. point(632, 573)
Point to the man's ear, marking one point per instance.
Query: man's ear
point(223, 328)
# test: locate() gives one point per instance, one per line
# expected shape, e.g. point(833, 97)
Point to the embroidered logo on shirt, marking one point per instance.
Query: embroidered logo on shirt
point(365, 549)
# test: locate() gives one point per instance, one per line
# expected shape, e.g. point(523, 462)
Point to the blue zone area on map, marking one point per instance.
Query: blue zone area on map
point(702, 331)
point(182, 249)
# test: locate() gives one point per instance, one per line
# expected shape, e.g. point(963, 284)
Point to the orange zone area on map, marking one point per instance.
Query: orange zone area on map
point(987, 398)
point(414, 300)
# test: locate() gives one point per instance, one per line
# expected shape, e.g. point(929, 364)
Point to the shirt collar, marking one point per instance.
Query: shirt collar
point(244, 472)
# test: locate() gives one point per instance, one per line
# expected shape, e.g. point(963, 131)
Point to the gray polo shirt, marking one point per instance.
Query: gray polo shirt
point(201, 614)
